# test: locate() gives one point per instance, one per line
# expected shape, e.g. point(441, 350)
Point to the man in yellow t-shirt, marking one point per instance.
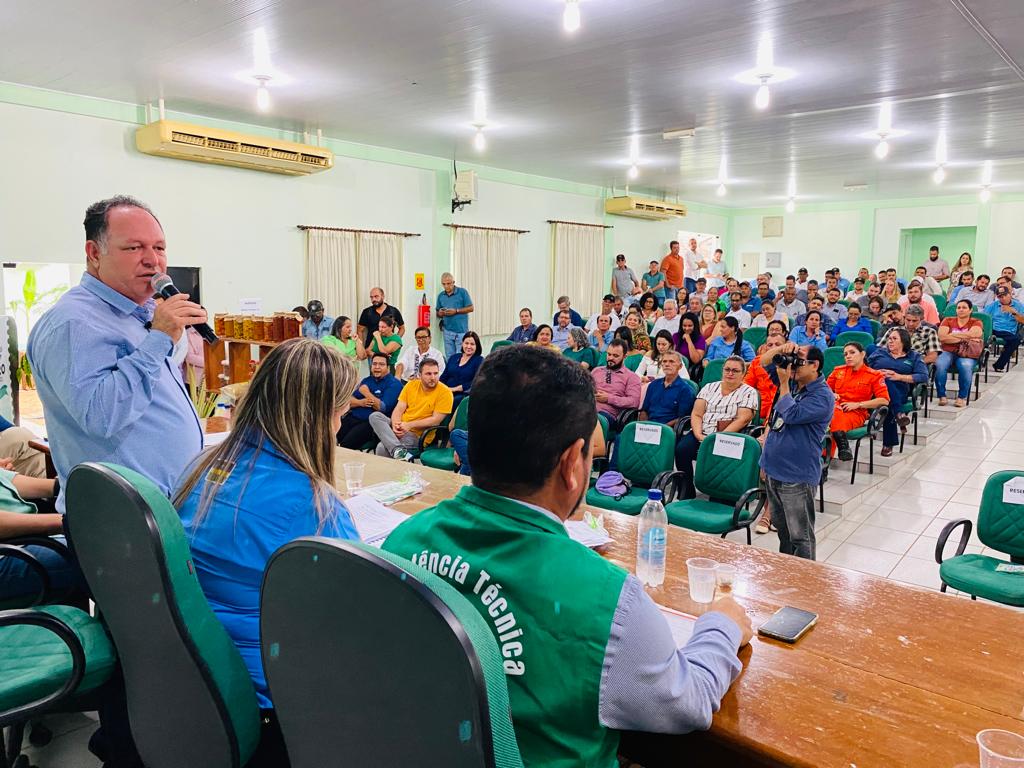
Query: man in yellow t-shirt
point(425, 402)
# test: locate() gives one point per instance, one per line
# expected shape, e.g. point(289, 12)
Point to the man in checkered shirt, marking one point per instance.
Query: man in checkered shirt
point(923, 338)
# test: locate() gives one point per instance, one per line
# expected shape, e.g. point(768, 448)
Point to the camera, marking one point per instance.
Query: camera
point(790, 360)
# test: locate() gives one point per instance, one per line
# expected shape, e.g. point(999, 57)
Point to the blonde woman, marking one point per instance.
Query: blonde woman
point(270, 482)
point(963, 264)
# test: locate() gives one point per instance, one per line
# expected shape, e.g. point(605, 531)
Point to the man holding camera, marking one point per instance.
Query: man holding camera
point(791, 458)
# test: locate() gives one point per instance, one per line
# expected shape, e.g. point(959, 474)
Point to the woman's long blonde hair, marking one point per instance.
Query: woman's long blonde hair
point(291, 402)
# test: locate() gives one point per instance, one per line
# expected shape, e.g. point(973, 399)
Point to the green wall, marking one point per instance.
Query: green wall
point(952, 241)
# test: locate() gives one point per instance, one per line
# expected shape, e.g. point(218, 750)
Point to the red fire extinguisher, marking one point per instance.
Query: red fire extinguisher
point(423, 312)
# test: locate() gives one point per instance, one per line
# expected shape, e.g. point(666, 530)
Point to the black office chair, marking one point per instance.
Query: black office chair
point(372, 660)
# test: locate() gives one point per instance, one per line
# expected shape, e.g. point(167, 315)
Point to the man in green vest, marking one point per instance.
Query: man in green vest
point(586, 652)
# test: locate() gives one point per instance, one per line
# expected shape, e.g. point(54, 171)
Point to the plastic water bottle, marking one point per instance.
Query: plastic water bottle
point(652, 540)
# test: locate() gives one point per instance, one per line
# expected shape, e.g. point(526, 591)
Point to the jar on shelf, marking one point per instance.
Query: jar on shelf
point(278, 327)
point(218, 323)
point(247, 328)
point(257, 328)
point(229, 326)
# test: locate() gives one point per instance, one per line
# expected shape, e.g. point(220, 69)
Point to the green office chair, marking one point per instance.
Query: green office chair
point(586, 355)
point(940, 302)
point(372, 660)
point(833, 359)
point(54, 659)
point(1001, 528)
point(918, 398)
point(643, 464)
point(871, 430)
point(713, 371)
point(876, 328)
point(632, 362)
point(501, 343)
point(439, 454)
point(602, 359)
point(862, 338)
point(730, 484)
point(756, 336)
point(190, 698)
point(600, 463)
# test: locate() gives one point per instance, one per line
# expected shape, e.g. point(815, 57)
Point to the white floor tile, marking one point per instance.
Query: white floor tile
point(841, 530)
point(863, 559)
point(924, 548)
point(904, 503)
point(884, 539)
point(826, 547)
point(928, 489)
point(899, 520)
point(916, 571)
point(968, 496)
point(954, 510)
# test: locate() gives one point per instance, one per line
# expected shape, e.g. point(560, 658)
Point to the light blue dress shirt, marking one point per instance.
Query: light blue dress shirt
point(458, 300)
point(313, 331)
point(109, 387)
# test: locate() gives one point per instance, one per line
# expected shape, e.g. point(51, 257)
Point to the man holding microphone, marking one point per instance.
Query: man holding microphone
point(791, 458)
point(102, 356)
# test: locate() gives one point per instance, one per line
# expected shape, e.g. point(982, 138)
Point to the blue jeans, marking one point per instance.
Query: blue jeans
point(964, 373)
point(898, 392)
point(18, 580)
point(1010, 343)
point(689, 284)
point(452, 341)
point(460, 442)
point(792, 506)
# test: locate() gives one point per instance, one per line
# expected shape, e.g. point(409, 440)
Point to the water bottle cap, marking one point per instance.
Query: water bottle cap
point(654, 494)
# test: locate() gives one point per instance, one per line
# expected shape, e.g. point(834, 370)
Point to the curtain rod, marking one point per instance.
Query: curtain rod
point(304, 227)
point(488, 229)
point(580, 224)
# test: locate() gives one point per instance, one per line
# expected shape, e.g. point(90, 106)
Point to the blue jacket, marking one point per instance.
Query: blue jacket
point(386, 390)
point(263, 504)
point(455, 374)
point(792, 454)
point(799, 336)
point(863, 325)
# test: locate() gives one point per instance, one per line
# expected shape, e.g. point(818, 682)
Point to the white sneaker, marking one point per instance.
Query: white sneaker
point(402, 455)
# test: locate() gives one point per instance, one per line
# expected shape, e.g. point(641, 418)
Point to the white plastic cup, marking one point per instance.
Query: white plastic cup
point(1000, 749)
point(725, 576)
point(700, 572)
point(354, 477)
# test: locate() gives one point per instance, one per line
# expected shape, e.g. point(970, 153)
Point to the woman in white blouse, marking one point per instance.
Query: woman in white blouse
point(650, 367)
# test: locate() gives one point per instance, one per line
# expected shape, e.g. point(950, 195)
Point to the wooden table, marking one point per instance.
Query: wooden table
point(890, 676)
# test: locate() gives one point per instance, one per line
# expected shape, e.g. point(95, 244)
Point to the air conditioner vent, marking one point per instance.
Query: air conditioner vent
point(212, 145)
point(641, 208)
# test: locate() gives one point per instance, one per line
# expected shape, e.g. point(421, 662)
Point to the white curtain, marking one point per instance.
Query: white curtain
point(485, 264)
point(378, 265)
point(578, 266)
point(331, 270)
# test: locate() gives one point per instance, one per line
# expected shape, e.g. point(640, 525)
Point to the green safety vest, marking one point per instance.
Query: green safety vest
point(550, 602)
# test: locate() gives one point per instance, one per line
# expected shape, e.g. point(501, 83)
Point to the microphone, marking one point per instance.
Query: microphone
point(163, 285)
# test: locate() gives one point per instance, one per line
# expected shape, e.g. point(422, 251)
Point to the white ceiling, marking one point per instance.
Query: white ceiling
point(404, 73)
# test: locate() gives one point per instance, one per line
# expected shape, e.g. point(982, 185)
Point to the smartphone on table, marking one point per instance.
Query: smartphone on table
point(788, 624)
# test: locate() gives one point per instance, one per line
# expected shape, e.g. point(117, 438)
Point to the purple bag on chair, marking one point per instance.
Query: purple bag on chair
point(613, 484)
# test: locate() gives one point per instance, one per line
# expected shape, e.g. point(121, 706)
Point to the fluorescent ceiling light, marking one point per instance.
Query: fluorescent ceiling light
point(571, 16)
point(479, 141)
point(764, 72)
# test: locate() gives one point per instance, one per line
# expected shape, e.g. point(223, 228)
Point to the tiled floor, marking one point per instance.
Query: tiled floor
point(892, 529)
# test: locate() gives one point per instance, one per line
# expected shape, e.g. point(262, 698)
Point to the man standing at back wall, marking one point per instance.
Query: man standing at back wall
point(102, 356)
point(453, 308)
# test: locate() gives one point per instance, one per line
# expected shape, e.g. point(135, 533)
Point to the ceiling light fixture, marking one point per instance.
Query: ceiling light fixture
point(479, 141)
point(571, 16)
point(633, 171)
point(940, 159)
point(634, 156)
point(262, 94)
point(764, 73)
point(479, 121)
point(722, 177)
point(884, 130)
point(939, 176)
point(986, 182)
point(790, 205)
point(791, 194)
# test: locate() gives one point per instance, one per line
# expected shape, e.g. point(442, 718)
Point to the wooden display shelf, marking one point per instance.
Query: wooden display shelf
point(239, 355)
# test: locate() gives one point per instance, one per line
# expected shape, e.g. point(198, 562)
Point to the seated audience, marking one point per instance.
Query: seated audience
point(377, 393)
point(1007, 313)
point(384, 339)
point(858, 389)
point(560, 332)
point(751, 303)
point(682, 298)
point(757, 376)
point(523, 332)
point(14, 446)
point(617, 387)
point(650, 366)
point(459, 372)
point(341, 339)
point(768, 314)
point(809, 333)
point(903, 369)
point(270, 482)
point(874, 308)
point(858, 292)
point(810, 293)
point(653, 283)
point(532, 422)
point(669, 321)
point(579, 349)
point(619, 309)
point(424, 402)
point(721, 406)
point(836, 311)
point(871, 290)
point(602, 335)
point(891, 292)
point(975, 290)
point(708, 322)
point(639, 341)
point(689, 342)
point(962, 343)
point(931, 287)
point(564, 305)
point(923, 338)
point(737, 311)
point(542, 337)
point(963, 264)
point(854, 321)
point(826, 323)
point(607, 311)
point(701, 294)
point(316, 325)
point(411, 358)
point(729, 341)
point(790, 304)
point(668, 397)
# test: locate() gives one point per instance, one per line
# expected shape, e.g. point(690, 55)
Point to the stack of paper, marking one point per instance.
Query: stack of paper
point(389, 493)
point(373, 520)
point(589, 534)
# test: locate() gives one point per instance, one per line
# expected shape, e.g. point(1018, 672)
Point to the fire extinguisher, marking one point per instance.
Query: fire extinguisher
point(423, 312)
